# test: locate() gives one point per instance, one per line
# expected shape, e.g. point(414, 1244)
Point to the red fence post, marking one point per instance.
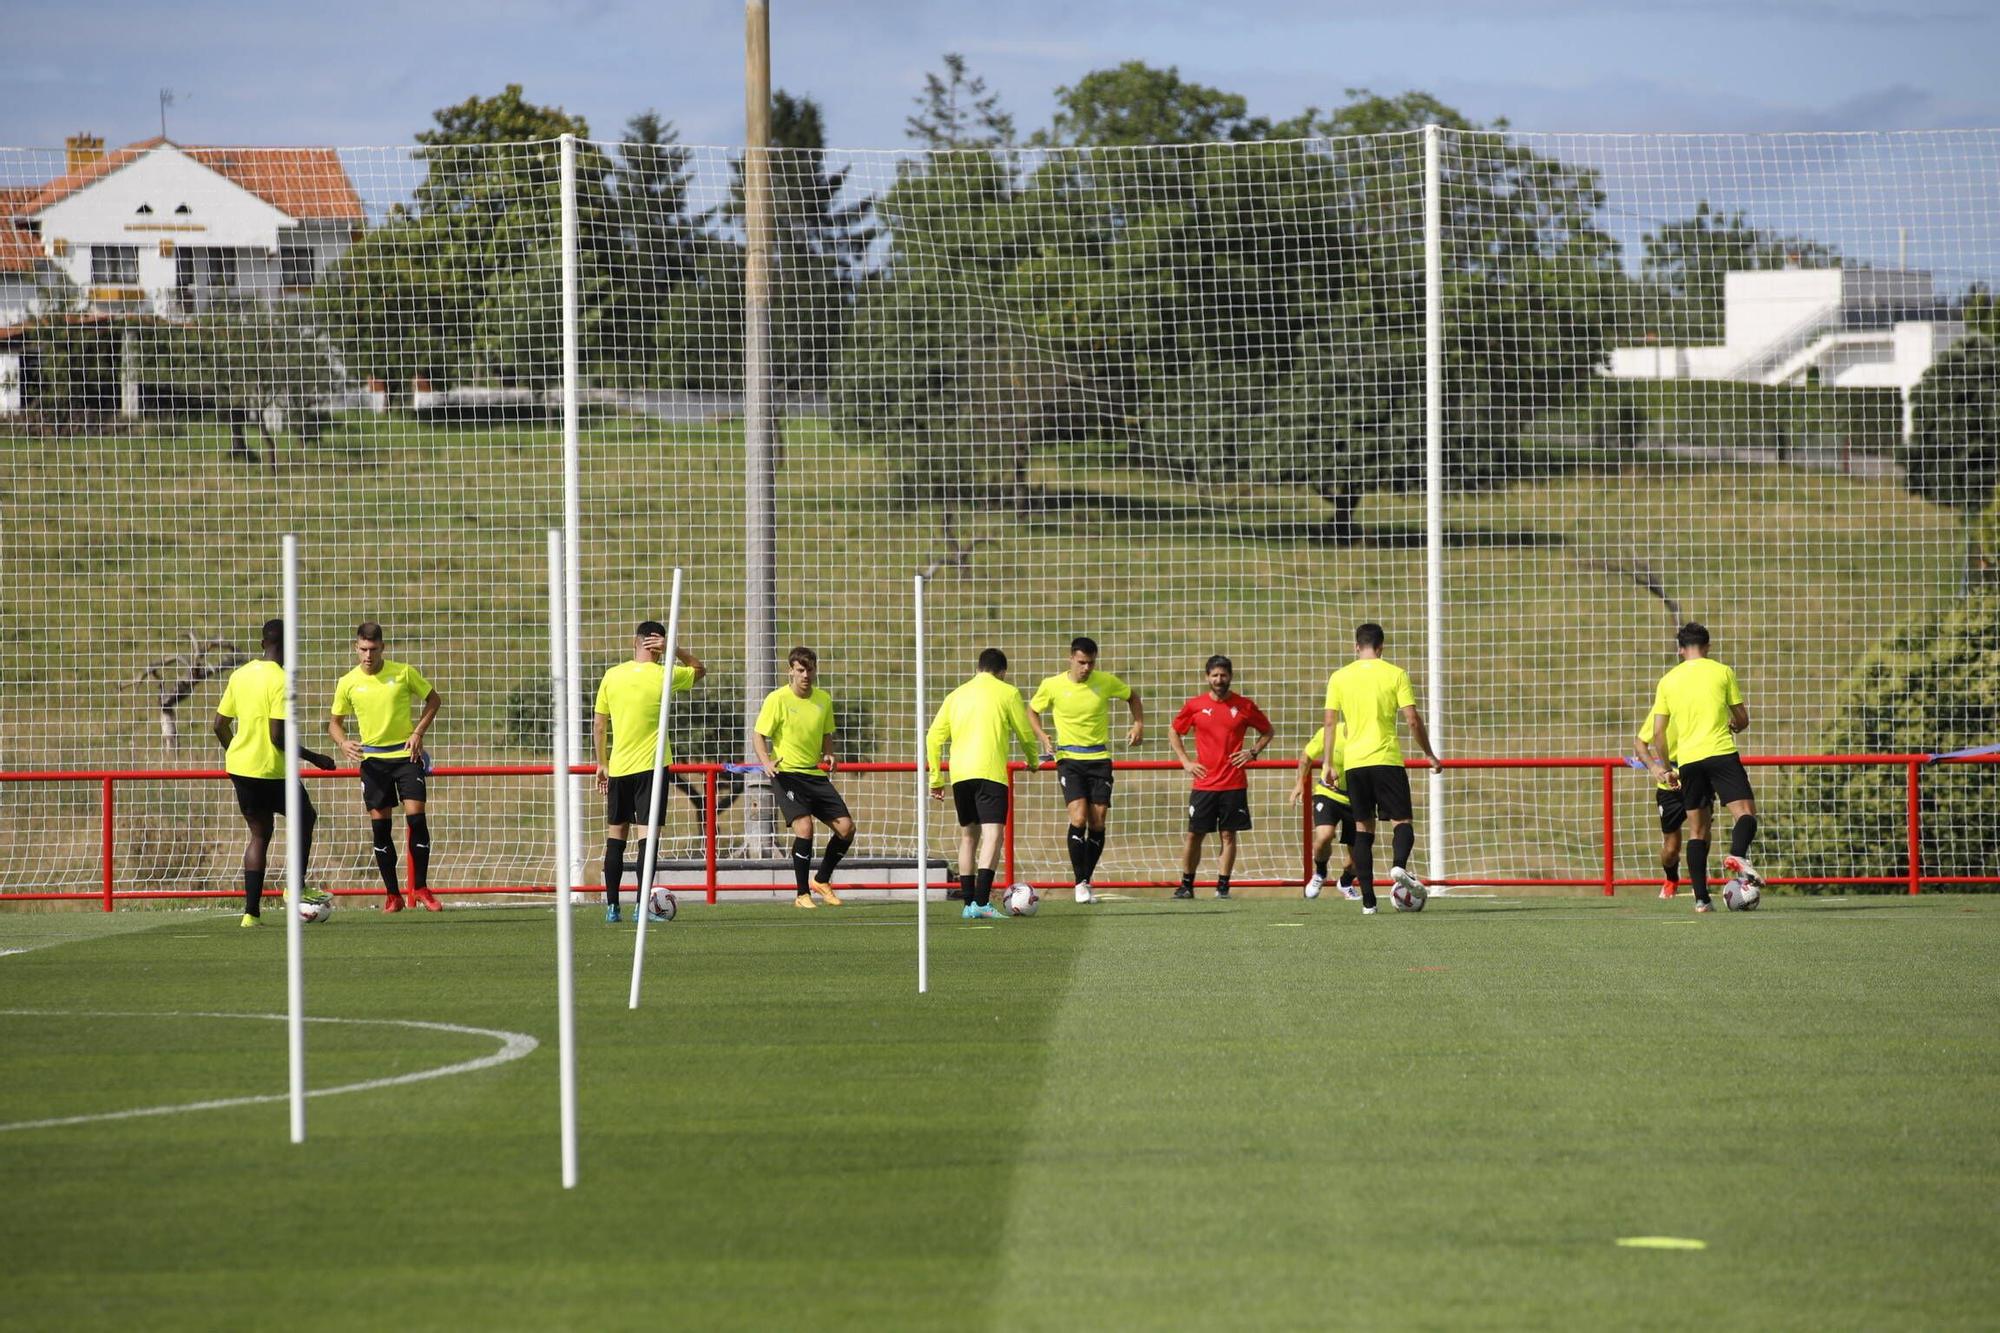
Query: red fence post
point(1010, 824)
point(105, 851)
point(1916, 830)
point(708, 832)
point(1306, 817)
point(1610, 834)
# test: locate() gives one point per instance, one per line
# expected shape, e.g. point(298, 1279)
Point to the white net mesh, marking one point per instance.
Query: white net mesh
point(1170, 398)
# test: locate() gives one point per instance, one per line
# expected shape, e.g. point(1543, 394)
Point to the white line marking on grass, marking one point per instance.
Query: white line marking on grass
point(1288, 925)
point(513, 1046)
point(5, 952)
point(1662, 1243)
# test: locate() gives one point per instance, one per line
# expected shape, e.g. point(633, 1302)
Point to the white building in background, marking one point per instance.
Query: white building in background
point(163, 230)
point(1847, 328)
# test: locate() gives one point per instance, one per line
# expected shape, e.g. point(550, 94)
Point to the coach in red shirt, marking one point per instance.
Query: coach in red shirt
point(1221, 799)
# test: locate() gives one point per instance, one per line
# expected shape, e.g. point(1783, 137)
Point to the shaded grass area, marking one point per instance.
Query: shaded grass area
point(1263, 1113)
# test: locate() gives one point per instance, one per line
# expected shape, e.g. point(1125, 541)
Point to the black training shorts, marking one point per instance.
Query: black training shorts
point(383, 781)
point(809, 794)
point(260, 798)
point(1212, 810)
point(1719, 777)
point(628, 799)
point(1085, 780)
point(980, 801)
point(1335, 814)
point(1379, 791)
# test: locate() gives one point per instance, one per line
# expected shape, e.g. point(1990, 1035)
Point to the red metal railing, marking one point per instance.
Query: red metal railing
point(1608, 879)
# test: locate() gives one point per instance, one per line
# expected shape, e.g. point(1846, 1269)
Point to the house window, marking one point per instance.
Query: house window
point(295, 266)
point(205, 266)
point(114, 266)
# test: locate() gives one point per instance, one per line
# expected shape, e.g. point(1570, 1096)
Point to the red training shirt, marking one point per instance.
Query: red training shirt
point(1218, 726)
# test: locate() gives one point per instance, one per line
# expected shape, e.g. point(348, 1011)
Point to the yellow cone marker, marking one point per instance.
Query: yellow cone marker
point(1661, 1243)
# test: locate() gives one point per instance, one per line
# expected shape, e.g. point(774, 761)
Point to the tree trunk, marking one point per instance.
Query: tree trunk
point(1340, 525)
point(238, 448)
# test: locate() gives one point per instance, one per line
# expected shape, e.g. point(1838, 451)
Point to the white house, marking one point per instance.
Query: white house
point(1848, 328)
point(164, 230)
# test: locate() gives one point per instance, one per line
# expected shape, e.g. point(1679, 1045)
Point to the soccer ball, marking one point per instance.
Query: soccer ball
point(311, 912)
point(663, 904)
point(1021, 900)
point(1405, 901)
point(1741, 896)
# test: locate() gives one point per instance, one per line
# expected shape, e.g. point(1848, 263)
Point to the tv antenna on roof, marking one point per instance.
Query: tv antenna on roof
point(167, 99)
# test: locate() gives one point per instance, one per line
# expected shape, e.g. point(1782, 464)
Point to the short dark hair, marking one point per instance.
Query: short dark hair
point(802, 656)
point(274, 633)
point(1218, 660)
point(370, 630)
point(649, 627)
point(992, 659)
point(1369, 635)
point(1081, 644)
point(1692, 635)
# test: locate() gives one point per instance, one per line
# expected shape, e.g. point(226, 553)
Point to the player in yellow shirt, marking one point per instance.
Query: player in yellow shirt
point(1080, 699)
point(1331, 813)
point(1369, 694)
point(381, 695)
point(794, 740)
point(977, 721)
point(1666, 795)
point(1700, 706)
point(250, 723)
point(626, 716)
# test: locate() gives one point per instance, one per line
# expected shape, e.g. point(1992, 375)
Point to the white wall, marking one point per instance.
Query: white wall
point(10, 383)
point(1759, 308)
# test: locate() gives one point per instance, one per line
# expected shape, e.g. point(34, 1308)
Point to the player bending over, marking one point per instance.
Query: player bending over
point(1368, 695)
point(976, 721)
point(1697, 712)
point(1331, 813)
point(1080, 698)
point(628, 707)
point(797, 723)
point(1219, 718)
point(380, 694)
point(250, 723)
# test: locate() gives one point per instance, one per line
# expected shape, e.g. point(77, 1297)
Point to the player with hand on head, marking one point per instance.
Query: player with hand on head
point(1080, 699)
point(628, 709)
point(250, 723)
point(976, 722)
point(380, 695)
point(1219, 719)
point(794, 739)
point(1367, 696)
point(1331, 813)
point(1698, 711)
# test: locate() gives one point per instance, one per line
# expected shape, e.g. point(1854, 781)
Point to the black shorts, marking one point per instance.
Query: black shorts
point(1085, 780)
point(629, 799)
point(809, 794)
point(1719, 777)
point(1212, 810)
point(1379, 791)
point(1335, 814)
point(384, 780)
point(258, 798)
point(980, 801)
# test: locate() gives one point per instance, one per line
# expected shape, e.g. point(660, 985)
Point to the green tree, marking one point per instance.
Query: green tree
point(1136, 105)
point(260, 365)
point(1686, 261)
point(1953, 457)
point(652, 254)
point(956, 111)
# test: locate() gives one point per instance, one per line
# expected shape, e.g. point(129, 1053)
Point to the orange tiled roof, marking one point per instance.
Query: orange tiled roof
point(20, 252)
point(298, 182)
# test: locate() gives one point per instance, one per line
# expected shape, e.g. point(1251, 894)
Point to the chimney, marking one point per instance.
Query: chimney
point(83, 149)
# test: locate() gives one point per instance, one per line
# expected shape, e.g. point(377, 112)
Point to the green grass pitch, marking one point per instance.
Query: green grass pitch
point(1256, 1114)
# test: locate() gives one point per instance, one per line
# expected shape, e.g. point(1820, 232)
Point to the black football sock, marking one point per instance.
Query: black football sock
point(1095, 837)
point(1742, 834)
point(308, 820)
point(385, 854)
point(836, 847)
point(1079, 852)
point(802, 862)
point(965, 888)
point(1364, 867)
point(420, 849)
point(614, 869)
point(1221, 884)
point(253, 892)
point(1697, 849)
point(1187, 881)
point(1319, 866)
point(983, 886)
point(1402, 842)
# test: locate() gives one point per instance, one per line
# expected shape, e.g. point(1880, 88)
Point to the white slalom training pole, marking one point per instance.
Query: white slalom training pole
point(295, 970)
point(644, 905)
point(923, 813)
point(559, 687)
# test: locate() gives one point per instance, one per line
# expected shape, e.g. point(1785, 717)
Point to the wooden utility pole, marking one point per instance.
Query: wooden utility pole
point(760, 501)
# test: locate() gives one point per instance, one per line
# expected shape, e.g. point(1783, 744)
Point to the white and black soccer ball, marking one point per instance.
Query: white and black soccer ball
point(1021, 900)
point(1403, 900)
point(1740, 895)
point(312, 912)
point(664, 904)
